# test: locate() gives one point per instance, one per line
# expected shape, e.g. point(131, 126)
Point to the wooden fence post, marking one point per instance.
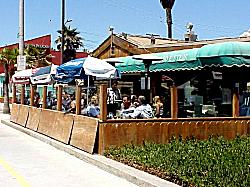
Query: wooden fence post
point(32, 94)
point(103, 102)
point(59, 98)
point(44, 97)
point(78, 100)
point(174, 102)
point(22, 94)
point(235, 109)
point(14, 94)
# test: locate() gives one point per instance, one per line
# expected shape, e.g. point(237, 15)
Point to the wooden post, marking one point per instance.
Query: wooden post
point(32, 95)
point(235, 111)
point(59, 98)
point(44, 97)
point(14, 94)
point(22, 94)
point(103, 102)
point(78, 100)
point(100, 139)
point(174, 102)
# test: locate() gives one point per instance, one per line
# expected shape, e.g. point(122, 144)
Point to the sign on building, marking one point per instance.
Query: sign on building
point(21, 63)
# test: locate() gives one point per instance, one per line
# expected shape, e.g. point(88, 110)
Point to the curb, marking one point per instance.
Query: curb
point(131, 174)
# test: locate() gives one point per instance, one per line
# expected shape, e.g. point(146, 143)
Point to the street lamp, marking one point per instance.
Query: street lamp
point(147, 60)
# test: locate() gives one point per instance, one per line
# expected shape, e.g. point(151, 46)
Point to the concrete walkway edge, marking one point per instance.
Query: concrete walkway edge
point(131, 174)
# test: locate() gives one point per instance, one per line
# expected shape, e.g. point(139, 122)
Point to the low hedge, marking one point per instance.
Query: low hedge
point(214, 162)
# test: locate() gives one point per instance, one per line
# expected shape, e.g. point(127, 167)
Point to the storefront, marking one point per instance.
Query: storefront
point(206, 77)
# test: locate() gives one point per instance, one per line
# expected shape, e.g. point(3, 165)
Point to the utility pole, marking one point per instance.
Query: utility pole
point(63, 25)
point(21, 59)
point(21, 27)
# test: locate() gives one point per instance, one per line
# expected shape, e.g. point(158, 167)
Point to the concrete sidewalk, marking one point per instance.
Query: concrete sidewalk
point(133, 175)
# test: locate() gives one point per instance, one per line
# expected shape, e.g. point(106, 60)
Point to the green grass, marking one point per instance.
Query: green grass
point(214, 162)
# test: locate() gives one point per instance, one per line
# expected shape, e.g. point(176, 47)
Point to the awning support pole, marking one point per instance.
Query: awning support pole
point(103, 102)
point(235, 102)
point(174, 102)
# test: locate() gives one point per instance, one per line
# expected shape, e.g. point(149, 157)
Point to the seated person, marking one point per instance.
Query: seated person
point(72, 108)
point(158, 107)
point(126, 103)
point(93, 109)
point(143, 111)
point(134, 101)
point(37, 100)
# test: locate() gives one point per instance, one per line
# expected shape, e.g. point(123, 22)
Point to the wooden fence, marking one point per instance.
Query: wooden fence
point(93, 135)
point(122, 132)
point(75, 130)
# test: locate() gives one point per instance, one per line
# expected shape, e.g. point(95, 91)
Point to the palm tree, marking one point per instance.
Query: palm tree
point(168, 5)
point(72, 42)
point(7, 57)
point(36, 57)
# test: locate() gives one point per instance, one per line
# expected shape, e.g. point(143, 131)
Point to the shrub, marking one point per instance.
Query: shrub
point(214, 162)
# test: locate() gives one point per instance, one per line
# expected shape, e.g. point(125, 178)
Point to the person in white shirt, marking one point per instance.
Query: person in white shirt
point(114, 98)
point(143, 111)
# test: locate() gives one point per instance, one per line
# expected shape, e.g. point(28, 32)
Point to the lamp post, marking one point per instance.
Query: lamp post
point(147, 60)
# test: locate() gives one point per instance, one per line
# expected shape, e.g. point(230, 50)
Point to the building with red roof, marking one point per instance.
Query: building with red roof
point(43, 42)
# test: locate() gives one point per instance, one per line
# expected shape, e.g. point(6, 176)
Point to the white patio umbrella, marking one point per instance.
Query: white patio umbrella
point(23, 77)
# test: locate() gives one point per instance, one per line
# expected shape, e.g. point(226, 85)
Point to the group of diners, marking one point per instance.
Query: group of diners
point(131, 106)
point(118, 105)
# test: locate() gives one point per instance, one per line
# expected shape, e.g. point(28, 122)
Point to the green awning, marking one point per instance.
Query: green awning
point(226, 61)
point(224, 49)
point(175, 60)
point(226, 54)
point(130, 65)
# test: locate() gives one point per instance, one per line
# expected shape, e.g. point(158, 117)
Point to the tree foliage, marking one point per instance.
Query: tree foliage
point(72, 42)
point(7, 57)
point(36, 57)
point(167, 3)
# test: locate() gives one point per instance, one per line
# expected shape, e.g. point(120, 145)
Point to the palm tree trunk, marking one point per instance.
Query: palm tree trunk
point(6, 106)
point(169, 21)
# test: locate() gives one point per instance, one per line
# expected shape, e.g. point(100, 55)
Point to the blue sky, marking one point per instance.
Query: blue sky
point(211, 19)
